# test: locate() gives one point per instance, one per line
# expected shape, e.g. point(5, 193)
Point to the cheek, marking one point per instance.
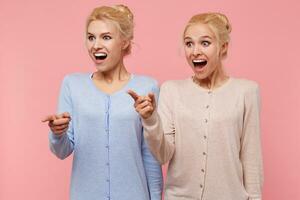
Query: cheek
point(116, 47)
point(88, 45)
point(187, 52)
point(212, 53)
point(116, 52)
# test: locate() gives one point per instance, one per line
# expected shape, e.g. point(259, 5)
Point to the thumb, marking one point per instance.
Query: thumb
point(66, 115)
point(63, 115)
point(152, 97)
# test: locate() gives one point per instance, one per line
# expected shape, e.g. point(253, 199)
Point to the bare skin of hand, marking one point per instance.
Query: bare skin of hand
point(144, 105)
point(58, 124)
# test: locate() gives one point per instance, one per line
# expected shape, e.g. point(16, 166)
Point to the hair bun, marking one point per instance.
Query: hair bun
point(125, 10)
point(225, 21)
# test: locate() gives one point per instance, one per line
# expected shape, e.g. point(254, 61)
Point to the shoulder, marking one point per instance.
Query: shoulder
point(248, 89)
point(245, 85)
point(75, 79)
point(174, 85)
point(143, 79)
point(144, 84)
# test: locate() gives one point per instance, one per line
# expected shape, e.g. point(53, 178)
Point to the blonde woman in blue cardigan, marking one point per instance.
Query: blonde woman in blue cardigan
point(97, 123)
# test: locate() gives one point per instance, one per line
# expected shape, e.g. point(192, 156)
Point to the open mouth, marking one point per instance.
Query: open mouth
point(100, 56)
point(199, 63)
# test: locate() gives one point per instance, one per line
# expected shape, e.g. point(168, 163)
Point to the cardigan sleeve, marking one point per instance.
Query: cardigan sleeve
point(153, 172)
point(62, 145)
point(251, 155)
point(159, 128)
point(152, 167)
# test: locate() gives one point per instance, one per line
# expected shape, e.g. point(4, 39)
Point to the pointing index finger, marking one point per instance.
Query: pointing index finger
point(49, 118)
point(133, 94)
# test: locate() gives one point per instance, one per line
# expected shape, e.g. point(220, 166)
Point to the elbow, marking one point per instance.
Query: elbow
point(61, 157)
point(162, 161)
point(165, 158)
point(60, 154)
point(167, 153)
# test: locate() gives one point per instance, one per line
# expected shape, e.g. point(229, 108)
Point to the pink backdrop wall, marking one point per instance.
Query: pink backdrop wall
point(41, 41)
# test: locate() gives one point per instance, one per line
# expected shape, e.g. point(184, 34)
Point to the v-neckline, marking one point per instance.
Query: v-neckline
point(123, 88)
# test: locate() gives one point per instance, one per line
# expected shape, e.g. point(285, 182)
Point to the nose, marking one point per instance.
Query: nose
point(197, 50)
point(97, 44)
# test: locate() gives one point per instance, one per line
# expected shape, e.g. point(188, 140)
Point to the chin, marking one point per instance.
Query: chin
point(101, 68)
point(104, 68)
point(200, 76)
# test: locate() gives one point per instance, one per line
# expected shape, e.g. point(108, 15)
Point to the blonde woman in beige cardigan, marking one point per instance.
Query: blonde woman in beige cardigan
point(206, 126)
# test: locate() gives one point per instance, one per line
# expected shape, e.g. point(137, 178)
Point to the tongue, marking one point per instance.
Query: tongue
point(100, 57)
point(200, 64)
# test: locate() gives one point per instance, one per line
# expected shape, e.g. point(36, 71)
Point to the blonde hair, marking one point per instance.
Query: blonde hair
point(218, 23)
point(120, 15)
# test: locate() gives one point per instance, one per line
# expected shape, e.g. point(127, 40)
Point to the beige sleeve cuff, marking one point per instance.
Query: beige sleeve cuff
point(151, 121)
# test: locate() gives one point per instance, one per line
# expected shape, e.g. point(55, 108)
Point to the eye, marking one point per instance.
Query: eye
point(205, 43)
point(188, 44)
point(106, 37)
point(91, 38)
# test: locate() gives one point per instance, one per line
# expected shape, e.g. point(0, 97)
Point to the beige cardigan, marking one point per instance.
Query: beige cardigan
point(210, 138)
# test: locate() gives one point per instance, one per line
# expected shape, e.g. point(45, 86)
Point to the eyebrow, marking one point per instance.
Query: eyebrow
point(205, 36)
point(100, 34)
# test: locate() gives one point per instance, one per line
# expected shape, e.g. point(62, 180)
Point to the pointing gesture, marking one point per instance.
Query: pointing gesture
point(58, 123)
point(144, 105)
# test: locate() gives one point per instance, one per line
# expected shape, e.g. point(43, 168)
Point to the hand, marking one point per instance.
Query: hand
point(144, 105)
point(58, 123)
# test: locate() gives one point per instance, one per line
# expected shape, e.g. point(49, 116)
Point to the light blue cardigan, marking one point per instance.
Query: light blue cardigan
point(111, 158)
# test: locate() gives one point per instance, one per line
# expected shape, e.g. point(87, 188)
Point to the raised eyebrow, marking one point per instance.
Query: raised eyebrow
point(105, 33)
point(187, 38)
point(205, 37)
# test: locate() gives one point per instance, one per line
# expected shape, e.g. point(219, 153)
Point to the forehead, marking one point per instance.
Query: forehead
point(102, 26)
point(199, 30)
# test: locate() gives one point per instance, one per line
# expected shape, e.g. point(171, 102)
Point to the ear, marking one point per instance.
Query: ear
point(223, 50)
point(125, 44)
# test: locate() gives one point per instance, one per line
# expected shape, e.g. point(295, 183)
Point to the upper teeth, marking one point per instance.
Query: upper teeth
point(198, 61)
point(100, 54)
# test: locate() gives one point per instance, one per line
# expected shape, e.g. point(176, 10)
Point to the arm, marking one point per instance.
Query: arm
point(153, 173)
point(159, 128)
point(152, 167)
point(251, 156)
point(62, 145)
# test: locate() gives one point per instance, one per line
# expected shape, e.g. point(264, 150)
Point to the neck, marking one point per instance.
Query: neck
point(216, 79)
point(118, 73)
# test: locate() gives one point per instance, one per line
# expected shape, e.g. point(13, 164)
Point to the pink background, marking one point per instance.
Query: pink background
point(41, 41)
